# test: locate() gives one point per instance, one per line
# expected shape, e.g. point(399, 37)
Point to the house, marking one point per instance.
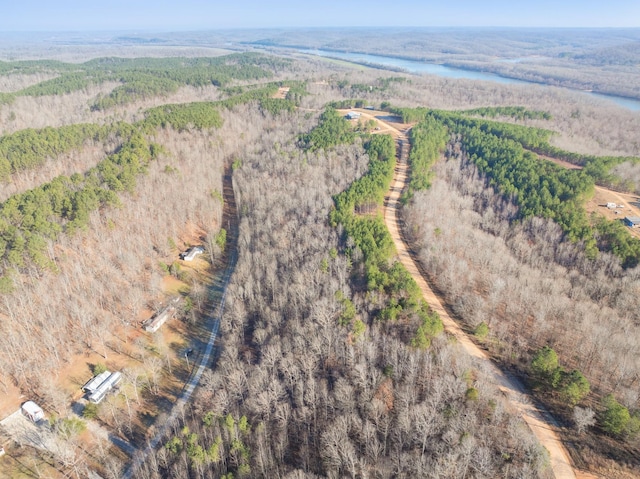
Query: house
point(611, 206)
point(153, 324)
point(632, 221)
point(32, 411)
point(191, 253)
point(106, 386)
point(353, 115)
point(95, 382)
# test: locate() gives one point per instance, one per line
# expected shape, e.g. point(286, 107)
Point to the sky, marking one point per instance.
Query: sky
point(182, 15)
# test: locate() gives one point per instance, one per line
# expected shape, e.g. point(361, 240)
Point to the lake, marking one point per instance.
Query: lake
point(414, 66)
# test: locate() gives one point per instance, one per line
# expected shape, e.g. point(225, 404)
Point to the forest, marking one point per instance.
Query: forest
point(504, 153)
point(142, 77)
point(583, 59)
point(310, 383)
point(328, 362)
point(502, 306)
point(28, 219)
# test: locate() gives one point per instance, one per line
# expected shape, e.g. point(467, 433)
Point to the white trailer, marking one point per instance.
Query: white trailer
point(95, 382)
point(32, 411)
point(191, 253)
point(99, 394)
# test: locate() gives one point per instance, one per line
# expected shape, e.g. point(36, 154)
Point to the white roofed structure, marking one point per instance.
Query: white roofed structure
point(106, 386)
point(32, 411)
point(191, 253)
point(154, 323)
point(96, 381)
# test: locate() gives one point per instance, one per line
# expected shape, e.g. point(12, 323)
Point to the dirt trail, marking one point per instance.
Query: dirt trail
point(539, 420)
point(216, 298)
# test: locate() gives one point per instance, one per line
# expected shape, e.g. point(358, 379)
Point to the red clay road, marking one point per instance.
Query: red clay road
point(539, 421)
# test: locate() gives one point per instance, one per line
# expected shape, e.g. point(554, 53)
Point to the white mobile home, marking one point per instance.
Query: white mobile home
point(154, 323)
point(191, 253)
point(99, 394)
point(32, 411)
point(95, 382)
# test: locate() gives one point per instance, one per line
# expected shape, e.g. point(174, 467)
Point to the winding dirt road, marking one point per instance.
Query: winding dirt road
point(539, 421)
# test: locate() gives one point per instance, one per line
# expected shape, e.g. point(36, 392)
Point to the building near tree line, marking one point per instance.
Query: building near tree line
point(191, 253)
point(154, 323)
point(105, 386)
point(95, 382)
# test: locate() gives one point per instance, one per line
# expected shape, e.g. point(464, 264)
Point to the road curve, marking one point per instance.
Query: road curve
point(539, 421)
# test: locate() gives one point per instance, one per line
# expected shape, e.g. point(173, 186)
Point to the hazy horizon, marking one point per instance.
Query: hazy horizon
point(162, 15)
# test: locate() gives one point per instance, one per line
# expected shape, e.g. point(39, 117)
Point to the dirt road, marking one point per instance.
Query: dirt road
point(539, 421)
point(217, 295)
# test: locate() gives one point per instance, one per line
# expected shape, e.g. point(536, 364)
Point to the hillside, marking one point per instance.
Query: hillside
point(602, 60)
point(328, 361)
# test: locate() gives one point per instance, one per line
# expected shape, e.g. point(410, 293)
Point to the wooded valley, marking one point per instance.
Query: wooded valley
point(328, 362)
point(313, 380)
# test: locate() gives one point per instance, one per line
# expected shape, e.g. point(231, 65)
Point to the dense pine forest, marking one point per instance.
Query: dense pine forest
point(328, 361)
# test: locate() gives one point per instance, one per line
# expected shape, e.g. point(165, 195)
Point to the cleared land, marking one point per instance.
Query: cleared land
point(282, 92)
point(598, 203)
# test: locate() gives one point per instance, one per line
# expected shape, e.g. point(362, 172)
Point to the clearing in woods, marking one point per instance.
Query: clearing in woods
point(598, 203)
point(282, 92)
